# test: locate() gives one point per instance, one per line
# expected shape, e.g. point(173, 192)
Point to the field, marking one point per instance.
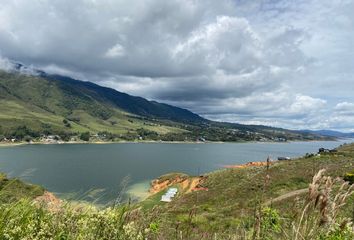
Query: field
point(14, 114)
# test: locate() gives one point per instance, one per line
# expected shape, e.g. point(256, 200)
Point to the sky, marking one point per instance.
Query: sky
point(283, 63)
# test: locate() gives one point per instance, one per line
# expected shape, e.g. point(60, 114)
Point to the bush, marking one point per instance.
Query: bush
point(349, 177)
point(65, 136)
point(74, 119)
point(147, 134)
point(107, 135)
point(113, 122)
point(85, 136)
point(22, 131)
point(27, 138)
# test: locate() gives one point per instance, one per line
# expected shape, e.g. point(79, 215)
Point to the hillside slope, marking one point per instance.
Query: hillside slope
point(52, 104)
point(13, 189)
point(244, 203)
point(228, 199)
point(131, 104)
point(42, 103)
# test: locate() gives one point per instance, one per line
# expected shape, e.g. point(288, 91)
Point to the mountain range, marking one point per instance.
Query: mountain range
point(331, 133)
point(33, 103)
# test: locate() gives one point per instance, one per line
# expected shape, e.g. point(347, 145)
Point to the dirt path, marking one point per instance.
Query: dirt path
point(287, 195)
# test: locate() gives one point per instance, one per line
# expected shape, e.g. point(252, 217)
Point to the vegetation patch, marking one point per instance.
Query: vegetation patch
point(311, 201)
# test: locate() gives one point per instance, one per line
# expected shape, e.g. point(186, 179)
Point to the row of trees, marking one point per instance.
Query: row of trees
point(24, 133)
point(20, 133)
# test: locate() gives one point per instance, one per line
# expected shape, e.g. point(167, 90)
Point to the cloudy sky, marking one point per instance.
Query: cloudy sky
point(286, 63)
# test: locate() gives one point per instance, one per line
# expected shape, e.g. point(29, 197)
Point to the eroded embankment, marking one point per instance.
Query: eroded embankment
point(184, 182)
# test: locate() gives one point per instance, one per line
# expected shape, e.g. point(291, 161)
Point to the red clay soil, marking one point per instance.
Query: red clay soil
point(187, 184)
point(49, 200)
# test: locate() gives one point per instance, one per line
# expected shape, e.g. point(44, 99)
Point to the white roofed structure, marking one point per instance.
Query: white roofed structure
point(171, 192)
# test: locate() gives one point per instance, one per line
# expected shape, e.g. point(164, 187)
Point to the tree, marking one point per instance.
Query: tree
point(21, 131)
point(65, 136)
point(66, 123)
point(27, 138)
point(113, 122)
point(85, 136)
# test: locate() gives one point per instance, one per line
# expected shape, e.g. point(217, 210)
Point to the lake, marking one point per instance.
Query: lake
point(101, 172)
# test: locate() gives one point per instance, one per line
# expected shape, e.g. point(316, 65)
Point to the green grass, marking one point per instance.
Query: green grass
point(41, 104)
point(152, 201)
point(12, 190)
point(123, 124)
point(234, 194)
point(14, 114)
point(228, 210)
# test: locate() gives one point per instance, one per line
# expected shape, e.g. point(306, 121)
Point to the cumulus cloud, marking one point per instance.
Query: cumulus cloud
point(116, 51)
point(276, 62)
point(345, 108)
point(5, 64)
point(11, 66)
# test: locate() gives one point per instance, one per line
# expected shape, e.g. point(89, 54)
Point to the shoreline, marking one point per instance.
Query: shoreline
point(7, 144)
point(116, 142)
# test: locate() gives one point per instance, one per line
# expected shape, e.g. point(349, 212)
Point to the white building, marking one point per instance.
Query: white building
point(167, 197)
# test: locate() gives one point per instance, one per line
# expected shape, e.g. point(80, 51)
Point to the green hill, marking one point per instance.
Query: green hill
point(44, 104)
point(52, 104)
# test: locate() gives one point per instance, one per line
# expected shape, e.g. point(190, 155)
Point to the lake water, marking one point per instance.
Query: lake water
point(100, 172)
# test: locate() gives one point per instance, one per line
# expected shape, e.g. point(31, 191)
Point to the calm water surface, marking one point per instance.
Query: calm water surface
point(97, 171)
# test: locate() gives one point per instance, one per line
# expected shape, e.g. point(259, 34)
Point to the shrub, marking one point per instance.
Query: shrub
point(27, 138)
point(65, 136)
point(154, 227)
point(270, 221)
point(85, 136)
point(22, 131)
point(349, 177)
point(113, 122)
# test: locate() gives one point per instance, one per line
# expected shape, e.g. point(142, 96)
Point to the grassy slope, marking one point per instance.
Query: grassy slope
point(234, 194)
point(226, 208)
point(35, 102)
point(12, 190)
point(41, 104)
